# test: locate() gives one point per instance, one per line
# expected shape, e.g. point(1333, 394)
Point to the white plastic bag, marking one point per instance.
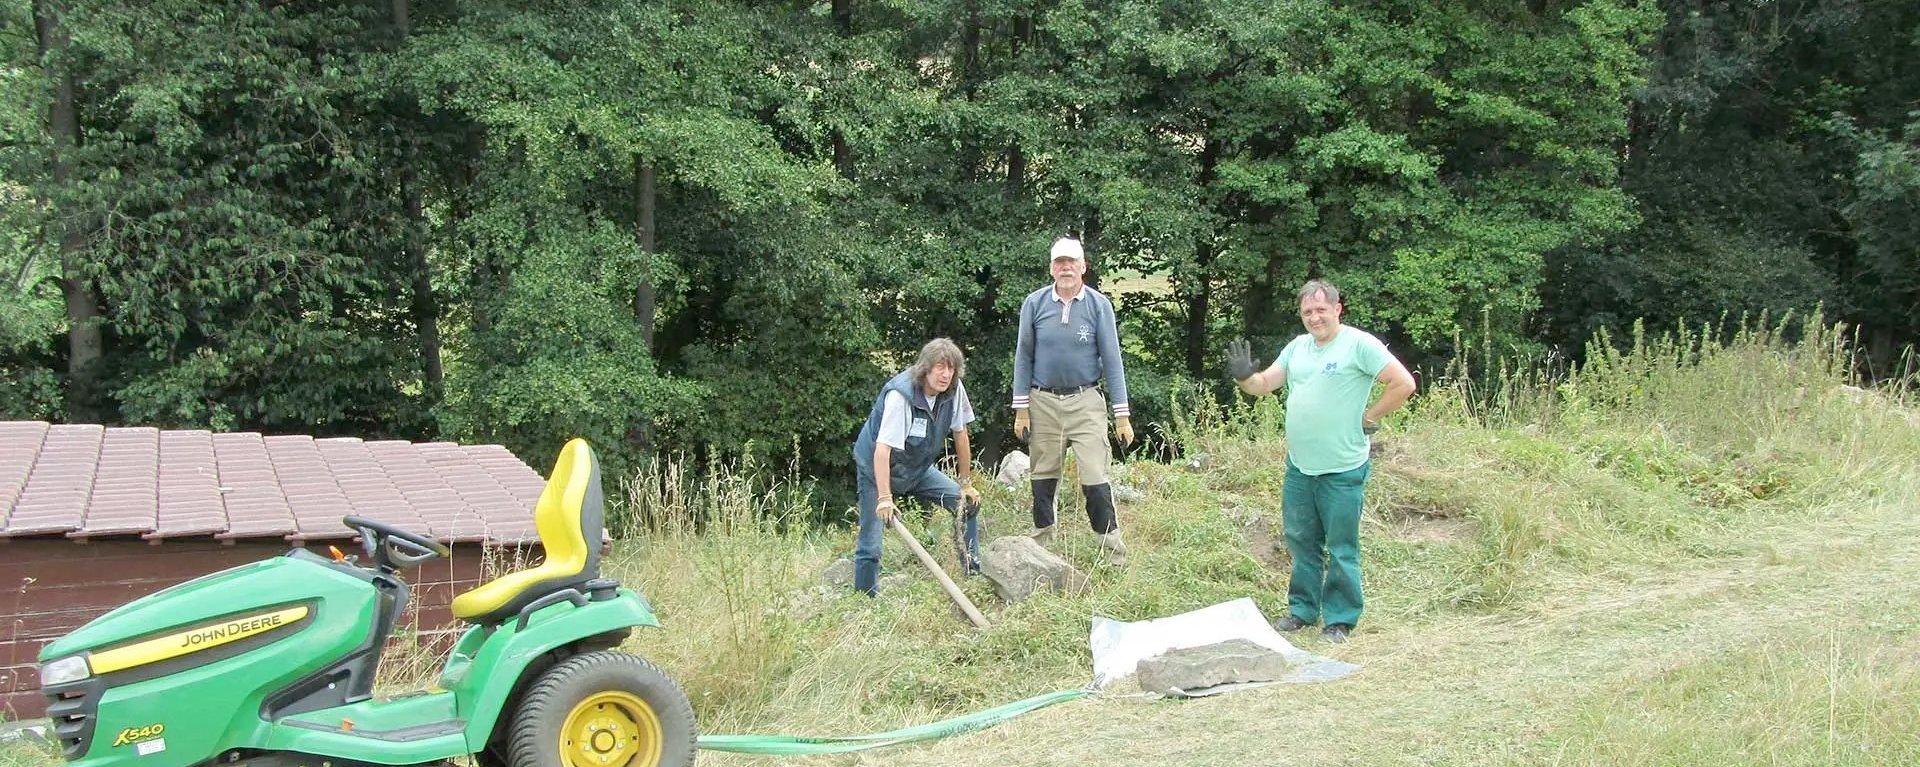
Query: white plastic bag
point(1118, 646)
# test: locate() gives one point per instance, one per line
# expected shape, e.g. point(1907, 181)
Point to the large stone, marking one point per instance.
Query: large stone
point(1014, 469)
point(1197, 668)
point(1019, 568)
point(1127, 494)
point(839, 574)
point(1199, 462)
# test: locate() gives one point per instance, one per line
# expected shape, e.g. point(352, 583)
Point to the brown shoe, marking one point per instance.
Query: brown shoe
point(1116, 551)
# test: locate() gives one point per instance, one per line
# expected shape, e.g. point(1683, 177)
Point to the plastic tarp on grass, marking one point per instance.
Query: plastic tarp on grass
point(1120, 646)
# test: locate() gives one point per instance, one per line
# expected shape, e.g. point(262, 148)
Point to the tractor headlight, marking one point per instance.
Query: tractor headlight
point(72, 668)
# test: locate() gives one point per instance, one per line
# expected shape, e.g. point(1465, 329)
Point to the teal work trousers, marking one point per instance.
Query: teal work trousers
point(1321, 515)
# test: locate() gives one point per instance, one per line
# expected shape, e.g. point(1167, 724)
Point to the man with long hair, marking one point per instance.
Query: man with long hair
point(898, 452)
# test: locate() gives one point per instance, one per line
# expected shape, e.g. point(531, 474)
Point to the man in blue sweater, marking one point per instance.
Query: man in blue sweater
point(898, 449)
point(1068, 343)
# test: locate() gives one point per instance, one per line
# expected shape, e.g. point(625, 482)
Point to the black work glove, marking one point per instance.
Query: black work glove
point(1239, 360)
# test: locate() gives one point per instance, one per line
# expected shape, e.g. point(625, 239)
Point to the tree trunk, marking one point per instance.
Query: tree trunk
point(483, 274)
point(1016, 172)
point(1264, 314)
point(842, 151)
point(1197, 301)
point(1201, 292)
point(644, 301)
point(970, 50)
point(426, 306)
point(843, 17)
point(970, 153)
point(640, 433)
point(1090, 241)
point(84, 343)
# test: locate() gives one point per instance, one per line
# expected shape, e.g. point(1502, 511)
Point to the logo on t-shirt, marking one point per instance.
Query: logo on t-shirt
point(1330, 366)
point(1086, 333)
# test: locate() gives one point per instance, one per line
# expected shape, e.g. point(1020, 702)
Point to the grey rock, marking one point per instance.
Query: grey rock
point(1014, 469)
point(1199, 462)
point(1197, 668)
point(839, 574)
point(1020, 567)
point(809, 603)
point(1128, 494)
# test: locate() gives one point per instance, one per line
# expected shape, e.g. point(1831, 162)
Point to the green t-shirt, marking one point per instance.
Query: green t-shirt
point(1327, 392)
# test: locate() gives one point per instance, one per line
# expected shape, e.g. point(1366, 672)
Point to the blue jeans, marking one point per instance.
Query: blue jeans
point(933, 488)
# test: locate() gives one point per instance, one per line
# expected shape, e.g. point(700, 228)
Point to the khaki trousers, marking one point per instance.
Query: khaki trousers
point(1077, 421)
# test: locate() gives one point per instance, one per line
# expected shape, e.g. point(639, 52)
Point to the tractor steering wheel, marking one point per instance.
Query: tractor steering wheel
point(393, 548)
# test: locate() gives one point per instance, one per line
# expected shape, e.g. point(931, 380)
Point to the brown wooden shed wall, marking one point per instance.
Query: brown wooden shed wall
point(51, 586)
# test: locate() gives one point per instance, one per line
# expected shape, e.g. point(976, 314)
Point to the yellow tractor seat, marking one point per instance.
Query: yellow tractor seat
point(569, 518)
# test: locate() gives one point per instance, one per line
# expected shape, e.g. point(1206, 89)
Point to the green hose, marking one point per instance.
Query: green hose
point(787, 745)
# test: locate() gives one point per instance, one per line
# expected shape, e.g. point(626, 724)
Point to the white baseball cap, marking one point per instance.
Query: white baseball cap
point(1067, 247)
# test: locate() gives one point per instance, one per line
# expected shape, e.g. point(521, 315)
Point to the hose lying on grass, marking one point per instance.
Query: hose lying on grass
point(787, 745)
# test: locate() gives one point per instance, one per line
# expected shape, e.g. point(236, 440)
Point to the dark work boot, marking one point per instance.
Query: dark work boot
point(1290, 623)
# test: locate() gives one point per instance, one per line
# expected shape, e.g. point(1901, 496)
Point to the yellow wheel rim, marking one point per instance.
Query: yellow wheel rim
point(611, 729)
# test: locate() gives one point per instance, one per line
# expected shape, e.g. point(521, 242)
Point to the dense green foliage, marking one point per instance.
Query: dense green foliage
point(716, 226)
point(1774, 154)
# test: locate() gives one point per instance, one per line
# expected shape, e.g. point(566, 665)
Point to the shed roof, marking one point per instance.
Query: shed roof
point(85, 480)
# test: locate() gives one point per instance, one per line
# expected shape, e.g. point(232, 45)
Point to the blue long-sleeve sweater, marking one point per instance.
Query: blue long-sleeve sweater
point(1065, 344)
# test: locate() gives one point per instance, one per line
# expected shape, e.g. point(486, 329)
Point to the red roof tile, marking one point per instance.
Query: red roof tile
point(85, 480)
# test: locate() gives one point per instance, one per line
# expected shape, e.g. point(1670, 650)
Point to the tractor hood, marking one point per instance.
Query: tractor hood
point(197, 608)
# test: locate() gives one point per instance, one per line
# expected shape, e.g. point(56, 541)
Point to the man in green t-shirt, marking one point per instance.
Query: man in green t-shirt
point(1329, 374)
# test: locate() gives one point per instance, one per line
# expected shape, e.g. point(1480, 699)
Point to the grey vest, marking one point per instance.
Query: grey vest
point(920, 452)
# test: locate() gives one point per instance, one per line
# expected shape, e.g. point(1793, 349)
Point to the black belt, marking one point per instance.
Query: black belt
point(1064, 391)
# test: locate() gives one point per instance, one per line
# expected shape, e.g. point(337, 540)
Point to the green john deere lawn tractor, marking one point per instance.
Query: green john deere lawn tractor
point(272, 664)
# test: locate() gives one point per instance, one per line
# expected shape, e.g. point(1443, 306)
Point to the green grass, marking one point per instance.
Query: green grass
point(27, 751)
point(1813, 694)
point(1700, 551)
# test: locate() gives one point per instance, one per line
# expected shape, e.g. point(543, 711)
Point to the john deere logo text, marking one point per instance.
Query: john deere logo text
point(136, 734)
point(192, 640)
point(231, 630)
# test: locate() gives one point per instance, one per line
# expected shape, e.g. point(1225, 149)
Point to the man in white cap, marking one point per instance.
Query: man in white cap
point(1068, 343)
